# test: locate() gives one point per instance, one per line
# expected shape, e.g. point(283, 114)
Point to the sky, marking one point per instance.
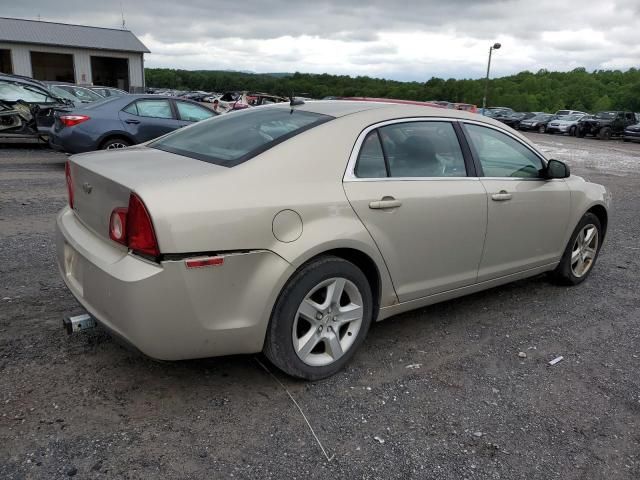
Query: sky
point(400, 40)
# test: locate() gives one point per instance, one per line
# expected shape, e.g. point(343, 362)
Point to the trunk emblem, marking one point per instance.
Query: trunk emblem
point(87, 188)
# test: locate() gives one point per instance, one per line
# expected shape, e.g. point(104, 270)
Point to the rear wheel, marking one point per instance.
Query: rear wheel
point(572, 131)
point(542, 129)
point(320, 319)
point(581, 253)
point(114, 143)
point(580, 133)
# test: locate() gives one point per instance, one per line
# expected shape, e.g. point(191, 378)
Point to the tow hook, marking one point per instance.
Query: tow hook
point(78, 323)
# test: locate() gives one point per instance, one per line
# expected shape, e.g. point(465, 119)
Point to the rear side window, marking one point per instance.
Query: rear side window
point(371, 158)
point(233, 138)
point(192, 113)
point(423, 149)
point(154, 108)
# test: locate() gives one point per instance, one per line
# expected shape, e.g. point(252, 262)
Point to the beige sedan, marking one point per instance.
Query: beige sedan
point(289, 229)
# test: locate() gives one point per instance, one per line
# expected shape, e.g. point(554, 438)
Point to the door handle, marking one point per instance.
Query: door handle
point(501, 196)
point(385, 203)
point(135, 122)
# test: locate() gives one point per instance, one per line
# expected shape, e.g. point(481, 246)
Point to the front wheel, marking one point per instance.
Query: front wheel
point(581, 253)
point(572, 132)
point(605, 133)
point(320, 319)
point(541, 129)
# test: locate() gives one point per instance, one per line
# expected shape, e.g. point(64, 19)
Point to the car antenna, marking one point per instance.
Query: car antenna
point(293, 101)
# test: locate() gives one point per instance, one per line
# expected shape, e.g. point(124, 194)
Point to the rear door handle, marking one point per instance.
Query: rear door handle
point(135, 122)
point(385, 203)
point(501, 196)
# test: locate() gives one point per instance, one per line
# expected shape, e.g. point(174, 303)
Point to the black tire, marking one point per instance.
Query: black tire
point(563, 273)
point(278, 346)
point(580, 133)
point(626, 140)
point(604, 133)
point(572, 131)
point(113, 143)
point(542, 129)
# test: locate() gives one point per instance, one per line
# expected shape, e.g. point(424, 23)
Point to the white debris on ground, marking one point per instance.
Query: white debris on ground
point(613, 156)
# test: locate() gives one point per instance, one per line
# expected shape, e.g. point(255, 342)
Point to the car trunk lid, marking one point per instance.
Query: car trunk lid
point(103, 181)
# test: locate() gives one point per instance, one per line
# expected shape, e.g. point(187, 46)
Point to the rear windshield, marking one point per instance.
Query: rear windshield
point(233, 138)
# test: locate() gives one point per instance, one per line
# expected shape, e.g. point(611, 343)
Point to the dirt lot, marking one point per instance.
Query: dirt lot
point(436, 393)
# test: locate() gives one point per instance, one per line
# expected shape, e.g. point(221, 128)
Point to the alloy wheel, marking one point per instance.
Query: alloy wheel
point(584, 250)
point(327, 322)
point(115, 145)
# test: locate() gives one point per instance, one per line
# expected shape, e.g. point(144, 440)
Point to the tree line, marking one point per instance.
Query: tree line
point(526, 91)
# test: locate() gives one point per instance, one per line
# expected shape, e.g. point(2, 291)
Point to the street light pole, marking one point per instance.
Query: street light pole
point(495, 46)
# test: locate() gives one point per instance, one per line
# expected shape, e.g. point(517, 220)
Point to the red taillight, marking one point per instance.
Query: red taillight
point(67, 175)
point(132, 227)
point(71, 120)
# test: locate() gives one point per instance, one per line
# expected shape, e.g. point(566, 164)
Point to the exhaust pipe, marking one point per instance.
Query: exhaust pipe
point(78, 323)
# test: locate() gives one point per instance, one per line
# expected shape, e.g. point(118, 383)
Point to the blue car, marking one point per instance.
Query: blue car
point(119, 122)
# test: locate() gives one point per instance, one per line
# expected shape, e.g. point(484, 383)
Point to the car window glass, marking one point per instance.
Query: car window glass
point(13, 92)
point(154, 108)
point(502, 156)
point(192, 113)
point(423, 149)
point(371, 159)
point(231, 139)
point(83, 94)
point(132, 109)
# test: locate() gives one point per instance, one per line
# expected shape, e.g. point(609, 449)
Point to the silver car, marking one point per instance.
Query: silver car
point(289, 229)
point(566, 124)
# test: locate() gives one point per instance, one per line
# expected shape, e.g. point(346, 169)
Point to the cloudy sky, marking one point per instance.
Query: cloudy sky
point(403, 40)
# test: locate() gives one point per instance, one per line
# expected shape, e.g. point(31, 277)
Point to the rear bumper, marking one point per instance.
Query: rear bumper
point(165, 310)
point(70, 140)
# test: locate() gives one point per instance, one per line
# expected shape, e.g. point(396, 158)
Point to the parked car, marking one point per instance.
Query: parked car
point(605, 125)
point(538, 122)
point(632, 133)
point(27, 108)
point(82, 94)
point(565, 124)
point(514, 119)
point(119, 122)
point(564, 113)
point(290, 230)
point(107, 92)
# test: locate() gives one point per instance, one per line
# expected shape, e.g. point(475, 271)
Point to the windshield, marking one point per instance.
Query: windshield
point(606, 115)
point(81, 93)
point(572, 118)
point(62, 93)
point(542, 117)
point(12, 92)
point(231, 139)
point(518, 115)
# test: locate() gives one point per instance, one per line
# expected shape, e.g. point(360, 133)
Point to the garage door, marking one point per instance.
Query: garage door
point(52, 66)
point(110, 72)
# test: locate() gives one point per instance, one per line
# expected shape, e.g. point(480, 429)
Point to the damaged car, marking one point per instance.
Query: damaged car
point(27, 109)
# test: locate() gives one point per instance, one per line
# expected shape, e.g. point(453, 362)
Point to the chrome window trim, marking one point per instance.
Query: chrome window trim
point(350, 176)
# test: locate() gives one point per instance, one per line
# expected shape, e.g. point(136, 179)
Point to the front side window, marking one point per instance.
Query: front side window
point(192, 113)
point(153, 108)
point(422, 149)
point(502, 156)
point(231, 139)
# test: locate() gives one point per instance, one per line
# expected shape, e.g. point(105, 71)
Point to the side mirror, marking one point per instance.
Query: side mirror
point(557, 169)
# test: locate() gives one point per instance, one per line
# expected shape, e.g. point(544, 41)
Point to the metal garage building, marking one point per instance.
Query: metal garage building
point(72, 53)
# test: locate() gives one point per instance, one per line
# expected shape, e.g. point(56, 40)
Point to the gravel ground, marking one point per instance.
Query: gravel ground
point(436, 393)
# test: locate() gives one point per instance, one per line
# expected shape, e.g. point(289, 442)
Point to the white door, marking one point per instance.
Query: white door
point(428, 218)
point(527, 214)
